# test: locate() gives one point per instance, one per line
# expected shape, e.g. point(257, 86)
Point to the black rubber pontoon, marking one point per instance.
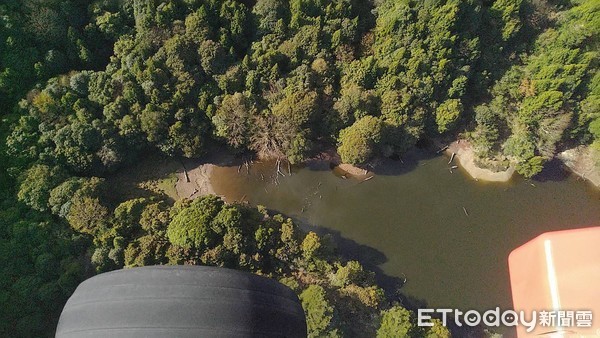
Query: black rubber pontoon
point(181, 301)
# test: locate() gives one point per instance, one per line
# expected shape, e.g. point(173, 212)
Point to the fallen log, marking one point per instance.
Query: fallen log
point(452, 158)
point(368, 178)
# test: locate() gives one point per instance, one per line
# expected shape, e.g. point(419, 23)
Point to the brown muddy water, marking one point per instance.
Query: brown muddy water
point(410, 221)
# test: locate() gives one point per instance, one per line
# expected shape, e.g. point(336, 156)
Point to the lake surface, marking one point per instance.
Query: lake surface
point(409, 222)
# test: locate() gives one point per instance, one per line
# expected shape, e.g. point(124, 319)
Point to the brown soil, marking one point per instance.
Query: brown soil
point(198, 184)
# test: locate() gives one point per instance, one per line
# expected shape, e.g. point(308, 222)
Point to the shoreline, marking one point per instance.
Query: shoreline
point(195, 182)
point(199, 171)
point(332, 158)
point(466, 158)
point(580, 162)
point(194, 174)
point(194, 177)
point(353, 170)
point(577, 160)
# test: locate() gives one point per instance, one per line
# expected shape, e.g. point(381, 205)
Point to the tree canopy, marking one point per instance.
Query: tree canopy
point(87, 87)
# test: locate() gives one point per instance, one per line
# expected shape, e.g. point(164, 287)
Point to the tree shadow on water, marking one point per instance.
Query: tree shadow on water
point(369, 257)
point(554, 171)
point(399, 165)
point(388, 166)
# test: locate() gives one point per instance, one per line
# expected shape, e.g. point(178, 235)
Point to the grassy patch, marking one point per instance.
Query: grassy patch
point(152, 176)
point(167, 185)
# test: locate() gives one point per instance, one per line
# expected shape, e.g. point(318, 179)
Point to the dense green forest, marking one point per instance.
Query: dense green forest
point(87, 87)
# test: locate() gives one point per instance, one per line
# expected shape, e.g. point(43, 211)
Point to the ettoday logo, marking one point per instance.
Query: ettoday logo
point(508, 318)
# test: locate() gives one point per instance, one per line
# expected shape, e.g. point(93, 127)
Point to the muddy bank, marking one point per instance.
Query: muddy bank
point(194, 175)
point(194, 182)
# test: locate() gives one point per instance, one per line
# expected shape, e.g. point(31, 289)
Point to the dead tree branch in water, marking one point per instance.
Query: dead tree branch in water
point(187, 177)
point(366, 179)
point(279, 172)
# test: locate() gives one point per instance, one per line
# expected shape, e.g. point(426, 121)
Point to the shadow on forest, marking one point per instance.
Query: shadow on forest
point(141, 179)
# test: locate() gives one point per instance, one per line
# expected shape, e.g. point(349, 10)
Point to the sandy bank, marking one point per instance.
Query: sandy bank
point(466, 158)
point(197, 181)
point(353, 170)
point(580, 161)
point(333, 159)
